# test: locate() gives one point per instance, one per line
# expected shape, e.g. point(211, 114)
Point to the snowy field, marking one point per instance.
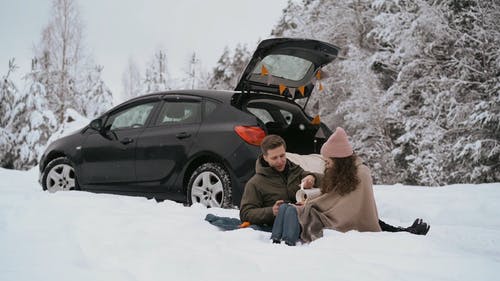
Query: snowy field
point(85, 236)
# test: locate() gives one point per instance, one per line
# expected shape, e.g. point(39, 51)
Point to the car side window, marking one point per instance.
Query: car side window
point(179, 112)
point(273, 113)
point(287, 115)
point(210, 107)
point(133, 117)
point(262, 114)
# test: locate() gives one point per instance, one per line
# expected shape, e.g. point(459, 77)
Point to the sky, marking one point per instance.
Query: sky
point(116, 30)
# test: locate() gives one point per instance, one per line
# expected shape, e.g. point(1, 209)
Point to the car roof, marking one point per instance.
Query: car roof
point(235, 98)
point(224, 96)
point(221, 95)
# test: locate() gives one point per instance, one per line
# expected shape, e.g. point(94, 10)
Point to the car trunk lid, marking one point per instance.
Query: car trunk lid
point(286, 66)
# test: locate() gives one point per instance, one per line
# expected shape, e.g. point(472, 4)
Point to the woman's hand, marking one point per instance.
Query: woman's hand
point(308, 182)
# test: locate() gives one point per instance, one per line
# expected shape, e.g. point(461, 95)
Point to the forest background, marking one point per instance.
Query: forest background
point(416, 84)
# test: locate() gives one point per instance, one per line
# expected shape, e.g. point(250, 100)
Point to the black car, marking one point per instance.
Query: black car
point(195, 145)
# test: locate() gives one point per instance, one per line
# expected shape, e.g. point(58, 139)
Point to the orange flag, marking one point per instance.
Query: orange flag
point(320, 87)
point(282, 89)
point(302, 90)
point(316, 120)
point(264, 71)
point(318, 74)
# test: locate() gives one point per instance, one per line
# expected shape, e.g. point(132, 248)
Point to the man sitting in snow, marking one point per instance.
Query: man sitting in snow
point(277, 180)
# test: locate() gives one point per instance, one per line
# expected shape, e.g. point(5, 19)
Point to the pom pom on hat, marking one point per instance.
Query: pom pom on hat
point(337, 145)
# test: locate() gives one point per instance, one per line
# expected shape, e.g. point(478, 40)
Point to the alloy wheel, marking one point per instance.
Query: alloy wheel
point(60, 177)
point(207, 189)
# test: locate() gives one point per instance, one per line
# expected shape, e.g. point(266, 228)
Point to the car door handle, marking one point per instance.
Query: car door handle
point(182, 135)
point(126, 140)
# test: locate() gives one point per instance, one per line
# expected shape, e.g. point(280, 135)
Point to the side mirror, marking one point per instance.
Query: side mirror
point(96, 124)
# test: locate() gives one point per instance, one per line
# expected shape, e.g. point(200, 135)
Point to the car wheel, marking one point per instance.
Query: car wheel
point(210, 185)
point(59, 175)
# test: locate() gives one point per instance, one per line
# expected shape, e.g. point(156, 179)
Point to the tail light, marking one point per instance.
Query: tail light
point(250, 134)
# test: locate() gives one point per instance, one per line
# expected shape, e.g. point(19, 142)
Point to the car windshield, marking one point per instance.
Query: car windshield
point(284, 66)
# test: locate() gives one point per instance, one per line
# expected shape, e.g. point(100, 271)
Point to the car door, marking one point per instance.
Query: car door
point(163, 148)
point(109, 156)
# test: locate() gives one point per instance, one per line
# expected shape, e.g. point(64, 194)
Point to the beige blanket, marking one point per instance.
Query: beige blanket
point(354, 211)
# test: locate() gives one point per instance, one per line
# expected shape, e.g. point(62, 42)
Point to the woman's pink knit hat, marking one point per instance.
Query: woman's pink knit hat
point(337, 146)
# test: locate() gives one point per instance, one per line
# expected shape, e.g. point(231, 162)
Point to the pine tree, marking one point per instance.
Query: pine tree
point(416, 84)
point(8, 95)
point(229, 66)
point(131, 80)
point(33, 122)
point(97, 97)
point(156, 78)
point(352, 87)
point(219, 78)
point(290, 19)
point(192, 72)
point(474, 66)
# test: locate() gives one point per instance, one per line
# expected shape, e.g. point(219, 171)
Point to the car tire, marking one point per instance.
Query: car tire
point(210, 185)
point(59, 175)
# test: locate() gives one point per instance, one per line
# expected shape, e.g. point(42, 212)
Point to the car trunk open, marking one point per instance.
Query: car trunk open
point(285, 66)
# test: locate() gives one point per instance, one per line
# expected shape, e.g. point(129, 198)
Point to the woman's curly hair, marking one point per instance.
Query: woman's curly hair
point(341, 177)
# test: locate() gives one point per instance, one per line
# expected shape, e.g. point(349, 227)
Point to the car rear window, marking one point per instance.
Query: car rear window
point(284, 66)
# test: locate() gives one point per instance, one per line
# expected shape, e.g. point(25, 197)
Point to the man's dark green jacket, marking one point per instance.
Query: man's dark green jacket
point(268, 186)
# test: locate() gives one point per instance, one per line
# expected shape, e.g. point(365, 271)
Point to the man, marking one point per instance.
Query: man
point(276, 181)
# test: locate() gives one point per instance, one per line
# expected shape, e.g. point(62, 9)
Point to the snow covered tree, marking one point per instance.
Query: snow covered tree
point(56, 83)
point(8, 95)
point(131, 80)
point(6, 155)
point(291, 18)
point(33, 122)
point(229, 66)
point(443, 100)
point(156, 78)
point(195, 76)
point(351, 87)
point(97, 98)
point(416, 84)
point(474, 66)
point(402, 33)
point(192, 71)
point(220, 79)
point(62, 54)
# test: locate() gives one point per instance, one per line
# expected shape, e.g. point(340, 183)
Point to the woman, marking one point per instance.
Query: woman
point(346, 203)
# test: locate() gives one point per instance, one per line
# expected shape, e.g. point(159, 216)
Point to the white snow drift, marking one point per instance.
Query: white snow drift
point(86, 236)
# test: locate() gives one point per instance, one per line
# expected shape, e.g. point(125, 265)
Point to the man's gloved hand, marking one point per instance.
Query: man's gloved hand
point(418, 227)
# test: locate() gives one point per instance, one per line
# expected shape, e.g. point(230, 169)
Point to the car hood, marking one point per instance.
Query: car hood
point(286, 66)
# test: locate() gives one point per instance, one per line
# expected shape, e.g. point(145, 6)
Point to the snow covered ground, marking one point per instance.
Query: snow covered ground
point(85, 236)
